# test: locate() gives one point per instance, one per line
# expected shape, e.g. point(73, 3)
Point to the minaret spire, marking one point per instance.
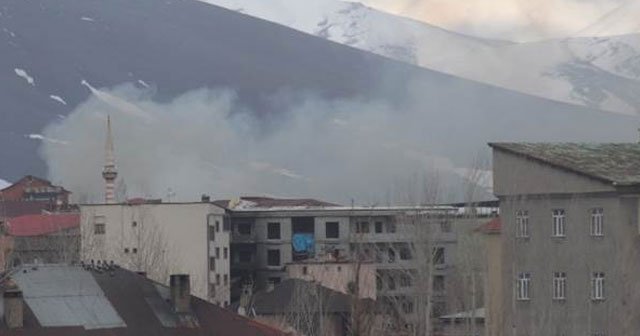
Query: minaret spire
point(109, 172)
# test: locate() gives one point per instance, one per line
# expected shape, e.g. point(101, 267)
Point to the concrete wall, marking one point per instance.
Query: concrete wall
point(527, 186)
point(515, 175)
point(494, 285)
point(337, 276)
point(167, 238)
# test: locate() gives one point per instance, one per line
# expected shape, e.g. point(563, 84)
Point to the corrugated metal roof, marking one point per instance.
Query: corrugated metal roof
point(42, 224)
point(610, 162)
point(66, 296)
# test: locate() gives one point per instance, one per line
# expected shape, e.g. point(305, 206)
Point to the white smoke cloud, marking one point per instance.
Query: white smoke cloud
point(205, 142)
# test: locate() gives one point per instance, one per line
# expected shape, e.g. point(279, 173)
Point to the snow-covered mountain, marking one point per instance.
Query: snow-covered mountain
point(4, 184)
point(597, 72)
point(620, 21)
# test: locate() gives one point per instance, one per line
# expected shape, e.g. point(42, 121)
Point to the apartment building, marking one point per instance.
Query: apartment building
point(162, 239)
point(570, 238)
point(268, 234)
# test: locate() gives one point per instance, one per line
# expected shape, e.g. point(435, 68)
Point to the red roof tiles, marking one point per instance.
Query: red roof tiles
point(37, 225)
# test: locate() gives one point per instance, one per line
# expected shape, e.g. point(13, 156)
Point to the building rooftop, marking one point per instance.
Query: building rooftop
point(260, 202)
point(74, 300)
point(42, 224)
point(287, 297)
point(615, 163)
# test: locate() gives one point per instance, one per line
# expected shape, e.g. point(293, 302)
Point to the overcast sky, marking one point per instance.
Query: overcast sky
point(519, 20)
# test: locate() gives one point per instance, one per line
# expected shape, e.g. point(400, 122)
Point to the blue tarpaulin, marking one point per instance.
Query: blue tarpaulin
point(303, 242)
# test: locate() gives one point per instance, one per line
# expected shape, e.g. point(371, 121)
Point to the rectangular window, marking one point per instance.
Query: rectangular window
point(559, 285)
point(226, 223)
point(405, 253)
point(273, 230)
point(244, 229)
point(522, 224)
point(445, 226)
point(274, 280)
point(522, 286)
point(362, 227)
point(212, 263)
point(597, 221)
point(558, 223)
point(217, 279)
point(226, 279)
point(212, 233)
point(438, 283)
point(332, 230)
point(217, 252)
point(438, 256)
point(597, 286)
point(99, 229)
point(226, 253)
point(378, 227)
point(405, 280)
point(273, 257)
point(217, 226)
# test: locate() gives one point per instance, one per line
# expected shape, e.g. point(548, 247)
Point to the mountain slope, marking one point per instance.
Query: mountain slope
point(169, 48)
point(620, 21)
point(579, 71)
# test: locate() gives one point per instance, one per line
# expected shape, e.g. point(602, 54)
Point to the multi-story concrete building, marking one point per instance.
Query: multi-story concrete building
point(570, 235)
point(264, 232)
point(162, 239)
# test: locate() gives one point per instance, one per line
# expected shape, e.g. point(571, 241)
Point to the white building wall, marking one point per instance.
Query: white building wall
point(159, 239)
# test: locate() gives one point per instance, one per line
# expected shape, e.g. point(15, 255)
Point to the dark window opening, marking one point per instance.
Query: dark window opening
point(445, 226)
point(378, 227)
point(212, 263)
point(405, 281)
point(212, 233)
point(134, 223)
point(274, 280)
point(405, 253)
point(273, 231)
point(273, 257)
point(226, 253)
point(217, 226)
point(226, 223)
point(438, 283)
point(391, 282)
point(302, 225)
point(126, 250)
point(391, 255)
point(391, 227)
point(332, 230)
point(134, 250)
point(244, 229)
point(362, 227)
point(438, 256)
point(305, 270)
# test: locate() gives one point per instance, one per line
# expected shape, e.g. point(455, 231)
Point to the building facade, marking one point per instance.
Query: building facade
point(162, 239)
point(570, 238)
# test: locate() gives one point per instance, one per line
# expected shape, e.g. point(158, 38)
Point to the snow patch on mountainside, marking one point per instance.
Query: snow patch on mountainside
point(620, 21)
point(58, 99)
point(24, 75)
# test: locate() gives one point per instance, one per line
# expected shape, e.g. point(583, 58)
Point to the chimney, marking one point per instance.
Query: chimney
point(205, 198)
point(180, 286)
point(13, 308)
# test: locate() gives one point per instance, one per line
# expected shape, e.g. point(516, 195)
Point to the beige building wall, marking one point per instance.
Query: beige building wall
point(162, 239)
point(337, 276)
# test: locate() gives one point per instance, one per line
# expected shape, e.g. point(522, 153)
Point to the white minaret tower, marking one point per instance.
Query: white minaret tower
point(109, 173)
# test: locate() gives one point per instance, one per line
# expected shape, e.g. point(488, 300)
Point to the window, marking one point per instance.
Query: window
point(439, 308)
point(445, 226)
point(218, 252)
point(212, 233)
point(212, 290)
point(217, 226)
point(378, 227)
point(362, 227)
point(597, 217)
point(126, 250)
point(332, 230)
point(407, 306)
point(212, 263)
point(273, 230)
point(99, 229)
point(134, 224)
point(522, 286)
point(225, 223)
point(134, 250)
point(226, 253)
point(378, 283)
point(244, 256)
point(244, 229)
point(273, 257)
point(391, 227)
point(558, 223)
point(597, 286)
point(226, 279)
point(391, 255)
point(391, 282)
point(438, 283)
point(405, 253)
point(305, 270)
point(405, 280)
point(438, 256)
point(217, 279)
point(522, 224)
point(559, 285)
